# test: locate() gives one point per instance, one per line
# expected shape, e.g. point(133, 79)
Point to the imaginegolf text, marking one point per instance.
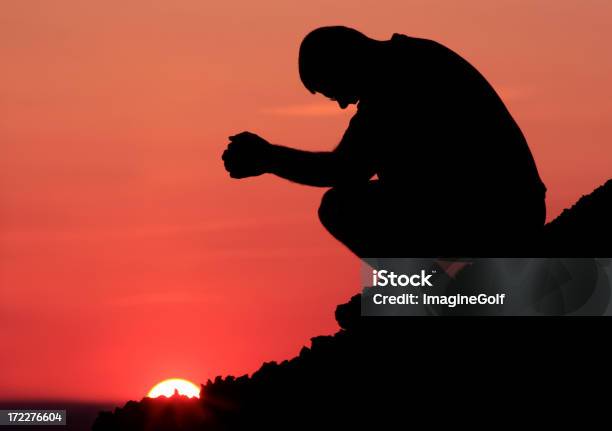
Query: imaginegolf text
point(450, 301)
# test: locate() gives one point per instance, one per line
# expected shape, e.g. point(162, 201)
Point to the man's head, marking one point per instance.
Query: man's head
point(332, 61)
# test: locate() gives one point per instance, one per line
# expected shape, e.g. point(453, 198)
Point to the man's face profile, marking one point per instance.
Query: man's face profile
point(338, 91)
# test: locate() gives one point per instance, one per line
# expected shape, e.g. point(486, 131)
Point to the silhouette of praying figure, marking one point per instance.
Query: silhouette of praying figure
point(432, 163)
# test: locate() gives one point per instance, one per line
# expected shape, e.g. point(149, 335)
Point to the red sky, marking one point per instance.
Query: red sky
point(126, 253)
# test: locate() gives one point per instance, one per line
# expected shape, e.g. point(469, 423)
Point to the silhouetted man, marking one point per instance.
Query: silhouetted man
point(455, 174)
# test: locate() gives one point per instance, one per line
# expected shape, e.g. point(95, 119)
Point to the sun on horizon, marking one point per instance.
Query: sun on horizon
point(168, 387)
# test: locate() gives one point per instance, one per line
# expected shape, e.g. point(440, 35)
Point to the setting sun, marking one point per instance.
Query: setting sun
point(168, 387)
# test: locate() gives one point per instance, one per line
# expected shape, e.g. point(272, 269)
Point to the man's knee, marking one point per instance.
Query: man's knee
point(342, 207)
point(328, 209)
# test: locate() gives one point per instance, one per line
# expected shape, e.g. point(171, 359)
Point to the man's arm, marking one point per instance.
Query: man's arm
point(319, 169)
point(249, 155)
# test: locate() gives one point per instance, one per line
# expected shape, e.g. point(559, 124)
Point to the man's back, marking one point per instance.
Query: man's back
point(444, 136)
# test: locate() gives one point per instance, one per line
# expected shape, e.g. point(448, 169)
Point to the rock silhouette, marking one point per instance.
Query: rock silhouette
point(584, 229)
point(388, 371)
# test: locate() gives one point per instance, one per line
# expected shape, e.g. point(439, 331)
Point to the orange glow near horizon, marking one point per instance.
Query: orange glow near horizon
point(168, 387)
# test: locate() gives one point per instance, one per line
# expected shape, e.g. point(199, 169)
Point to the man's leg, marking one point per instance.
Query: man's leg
point(352, 216)
point(375, 221)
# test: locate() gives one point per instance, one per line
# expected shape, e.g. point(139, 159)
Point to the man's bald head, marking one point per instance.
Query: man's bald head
point(331, 59)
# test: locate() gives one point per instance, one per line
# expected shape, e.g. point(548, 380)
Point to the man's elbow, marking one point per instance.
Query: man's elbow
point(352, 176)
